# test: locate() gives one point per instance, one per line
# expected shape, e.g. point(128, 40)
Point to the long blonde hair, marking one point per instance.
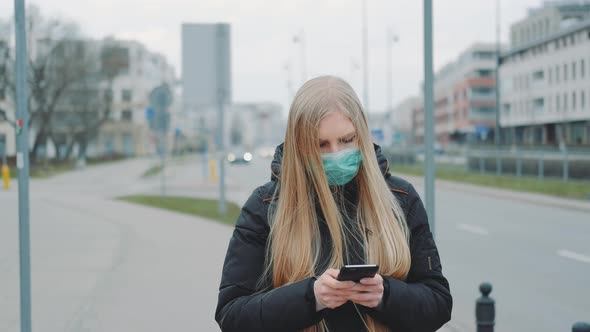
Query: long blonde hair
point(294, 247)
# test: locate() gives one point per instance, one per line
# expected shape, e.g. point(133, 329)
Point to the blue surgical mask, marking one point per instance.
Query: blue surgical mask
point(342, 166)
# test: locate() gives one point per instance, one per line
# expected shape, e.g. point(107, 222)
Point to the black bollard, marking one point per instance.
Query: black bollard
point(485, 311)
point(581, 327)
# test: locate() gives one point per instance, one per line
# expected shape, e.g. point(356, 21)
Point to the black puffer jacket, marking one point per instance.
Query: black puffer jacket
point(420, 303)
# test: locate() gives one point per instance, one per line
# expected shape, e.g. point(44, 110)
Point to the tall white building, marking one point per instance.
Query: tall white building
point(545, 87)
point(206, 70)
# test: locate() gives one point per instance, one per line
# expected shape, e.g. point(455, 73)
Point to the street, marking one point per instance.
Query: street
point(103, 265)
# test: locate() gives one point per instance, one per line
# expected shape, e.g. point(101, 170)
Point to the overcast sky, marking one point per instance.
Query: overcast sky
point(263, 30)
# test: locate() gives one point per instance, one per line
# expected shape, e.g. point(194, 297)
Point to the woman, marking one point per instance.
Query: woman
point(331, 201)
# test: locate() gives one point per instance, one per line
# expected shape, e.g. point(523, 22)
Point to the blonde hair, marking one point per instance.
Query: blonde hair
point(293, 251)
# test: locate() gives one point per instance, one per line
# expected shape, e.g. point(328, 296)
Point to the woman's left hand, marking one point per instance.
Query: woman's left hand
point(369, 292)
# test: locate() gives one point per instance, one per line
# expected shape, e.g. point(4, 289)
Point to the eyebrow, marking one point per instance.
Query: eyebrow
point(342, 138)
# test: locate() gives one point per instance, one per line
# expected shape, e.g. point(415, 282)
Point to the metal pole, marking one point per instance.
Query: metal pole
point(497, 135)
point(222, 94)
point(429, 114)
point(389, 70)
point(303, 62)
point(164, 143)
point(287, 68)
point(365, 32)
point(22, 158)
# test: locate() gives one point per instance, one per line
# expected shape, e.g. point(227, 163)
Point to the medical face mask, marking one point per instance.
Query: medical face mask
point(342, 166)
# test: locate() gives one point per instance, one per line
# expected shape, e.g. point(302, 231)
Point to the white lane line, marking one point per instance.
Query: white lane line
point(573, 255)
point(473, 229)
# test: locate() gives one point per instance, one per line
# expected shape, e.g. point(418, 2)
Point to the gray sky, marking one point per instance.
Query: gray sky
point(263, 31)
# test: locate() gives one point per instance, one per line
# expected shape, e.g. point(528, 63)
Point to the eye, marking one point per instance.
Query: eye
point(348, 140)
point(323, 144)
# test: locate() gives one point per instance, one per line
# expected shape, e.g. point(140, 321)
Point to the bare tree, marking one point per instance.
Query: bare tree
point(61, 64)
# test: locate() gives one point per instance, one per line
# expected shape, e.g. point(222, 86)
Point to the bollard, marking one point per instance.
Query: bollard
point(213, 170)
point(581, 327)
point(485, 311)
point(6, 176)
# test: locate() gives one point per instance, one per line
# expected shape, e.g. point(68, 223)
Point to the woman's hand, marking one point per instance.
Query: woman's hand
point(368, 292)
point(331, 293)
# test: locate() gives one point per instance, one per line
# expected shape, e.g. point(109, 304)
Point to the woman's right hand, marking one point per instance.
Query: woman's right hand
point(329, 292)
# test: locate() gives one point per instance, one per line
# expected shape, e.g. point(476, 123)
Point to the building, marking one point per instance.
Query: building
point(545, 85)
point(256, 124)
point(127, 132)
point(464, 98)
point(548, 20)
point(7, 135)
point(381, 128)
point(400, 120)
point(206, 70)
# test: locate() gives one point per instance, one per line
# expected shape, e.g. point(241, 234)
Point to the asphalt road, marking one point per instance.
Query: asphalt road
point(104, 265)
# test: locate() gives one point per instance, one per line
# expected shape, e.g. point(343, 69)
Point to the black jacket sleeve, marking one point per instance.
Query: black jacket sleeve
point(423, 301)
point(240, 306)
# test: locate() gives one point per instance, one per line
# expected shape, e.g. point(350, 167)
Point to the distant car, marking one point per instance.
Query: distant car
point(239, 157)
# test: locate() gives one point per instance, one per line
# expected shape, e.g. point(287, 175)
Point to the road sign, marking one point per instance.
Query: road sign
point(161, 98)
point(377, 135)
point(149, 114)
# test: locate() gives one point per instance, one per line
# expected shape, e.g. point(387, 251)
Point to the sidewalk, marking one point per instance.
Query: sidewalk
point(166, 267)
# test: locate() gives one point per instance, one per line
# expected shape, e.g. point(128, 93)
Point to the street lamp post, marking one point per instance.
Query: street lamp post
point(497, 135)
point(300, 39)
point(429, 117)
point(391, 39)
point(365, 35)
point(287, 68)
point(22, 163)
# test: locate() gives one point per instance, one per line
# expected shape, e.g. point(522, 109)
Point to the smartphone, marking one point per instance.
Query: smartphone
point(357, 272)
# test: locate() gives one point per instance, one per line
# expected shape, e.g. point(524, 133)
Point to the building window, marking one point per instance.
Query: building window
point(2, 93)
point(550, 71)
point(582, 99)
point(484, 72)
point(557, 106)
point(565, 72)
point(582, 68)
point(539, 75)
point(556, 74)
point(565, 101)
point(573, 71)
point(126, 95)
point(127, 115)
point(538, 105)
point(574, 101)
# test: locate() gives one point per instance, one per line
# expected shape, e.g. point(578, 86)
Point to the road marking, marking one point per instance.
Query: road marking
point(473, 229)
point(573, 255)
